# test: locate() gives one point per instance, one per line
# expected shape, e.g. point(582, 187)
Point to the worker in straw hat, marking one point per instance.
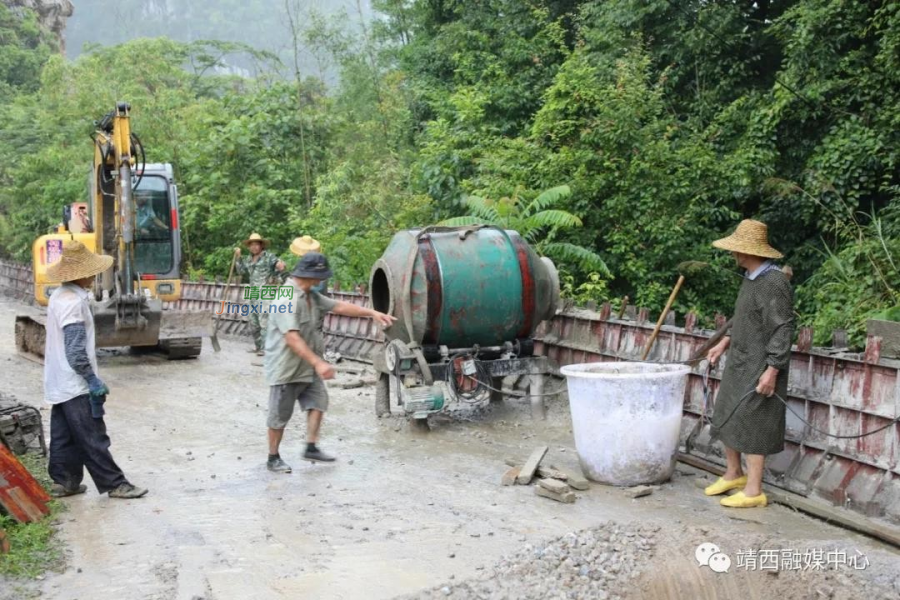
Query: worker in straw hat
point(261, 268)
point(78, 437)
point(748, 419)
point(302, 246)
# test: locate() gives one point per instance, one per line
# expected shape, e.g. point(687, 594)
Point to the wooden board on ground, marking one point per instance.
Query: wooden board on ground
point(531, 465)
point(640, 491)
point(565, 498)
point(553, 485)
point(551, 473)
point(574, 478)
point(21, 496)
point(509, 478)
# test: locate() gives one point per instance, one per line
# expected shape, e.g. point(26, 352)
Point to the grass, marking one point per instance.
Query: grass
point(35, 549)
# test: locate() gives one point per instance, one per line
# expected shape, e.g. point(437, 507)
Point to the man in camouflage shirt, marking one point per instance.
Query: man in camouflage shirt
point(261, 268)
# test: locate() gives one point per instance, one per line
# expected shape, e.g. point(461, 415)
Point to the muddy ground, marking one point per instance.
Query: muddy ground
point(401, 512)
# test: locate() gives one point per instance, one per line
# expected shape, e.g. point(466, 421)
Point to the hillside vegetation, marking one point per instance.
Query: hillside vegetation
point(668, 121)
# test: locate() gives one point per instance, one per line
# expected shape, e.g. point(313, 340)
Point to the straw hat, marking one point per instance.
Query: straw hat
point(255, 237)
point(302, 245)
point(750, 237)
point(77, 262)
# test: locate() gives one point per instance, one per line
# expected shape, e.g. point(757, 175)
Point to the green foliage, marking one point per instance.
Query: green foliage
point(593, 288)
point(23, 51)
point(861, 281)
point(34, 547)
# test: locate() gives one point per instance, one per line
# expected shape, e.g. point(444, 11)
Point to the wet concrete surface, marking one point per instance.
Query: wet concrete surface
point(400, 511)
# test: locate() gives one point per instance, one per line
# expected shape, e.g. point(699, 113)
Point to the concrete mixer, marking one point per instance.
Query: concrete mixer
point(467, 300)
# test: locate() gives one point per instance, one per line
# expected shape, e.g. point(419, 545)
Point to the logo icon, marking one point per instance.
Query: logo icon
point(710, 555)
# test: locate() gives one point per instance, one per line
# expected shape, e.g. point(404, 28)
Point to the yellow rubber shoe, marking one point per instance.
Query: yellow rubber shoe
point(721, 486)
point(739, 500)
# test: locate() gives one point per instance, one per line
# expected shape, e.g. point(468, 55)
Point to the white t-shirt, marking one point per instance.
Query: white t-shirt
point(68, 304)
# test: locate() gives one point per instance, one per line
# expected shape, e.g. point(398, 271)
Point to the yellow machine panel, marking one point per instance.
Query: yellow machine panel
point(45, 251)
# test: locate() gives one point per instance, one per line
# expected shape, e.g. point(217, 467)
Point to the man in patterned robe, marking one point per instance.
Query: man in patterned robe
point(748, 418)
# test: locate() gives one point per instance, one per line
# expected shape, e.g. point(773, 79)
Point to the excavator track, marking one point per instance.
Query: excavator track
point(31, 335)
point(179, 348)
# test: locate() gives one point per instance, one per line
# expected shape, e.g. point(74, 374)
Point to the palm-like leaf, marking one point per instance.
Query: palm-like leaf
point(465, 221)
point(546, 199)
point(554, 219)
point(483, 208)
point(570, 253)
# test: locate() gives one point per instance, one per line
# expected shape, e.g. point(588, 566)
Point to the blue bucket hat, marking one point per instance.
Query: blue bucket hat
point(312, 266)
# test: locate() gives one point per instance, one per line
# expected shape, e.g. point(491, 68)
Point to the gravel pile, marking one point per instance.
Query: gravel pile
point(597, 563)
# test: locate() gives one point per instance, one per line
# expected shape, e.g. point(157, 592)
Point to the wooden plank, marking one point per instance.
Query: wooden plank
point(531, 465)
point(575, 479)
point(20, 494)
point(543, 471)
point(566, 498)
point(552, 485)
point(4, 543)
point(509, 478)
point(832, 514)
point(551, 473)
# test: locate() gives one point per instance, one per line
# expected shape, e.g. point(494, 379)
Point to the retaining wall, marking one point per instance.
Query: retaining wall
point(838, 392)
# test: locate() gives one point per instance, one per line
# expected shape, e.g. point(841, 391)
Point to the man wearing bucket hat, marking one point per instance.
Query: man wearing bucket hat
point(78, 437)
point(260, 268)
point(748, 419)
point(295, 369)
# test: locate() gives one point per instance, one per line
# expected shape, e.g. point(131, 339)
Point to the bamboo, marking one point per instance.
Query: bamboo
point(662, 317)
point(214, 338)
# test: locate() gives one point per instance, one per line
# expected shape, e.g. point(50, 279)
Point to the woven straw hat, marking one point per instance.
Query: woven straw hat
point(255, 237)
point(750, 237)
point(77, 262)
point(302, 245)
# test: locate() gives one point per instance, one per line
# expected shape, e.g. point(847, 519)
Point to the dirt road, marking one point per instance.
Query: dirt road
point(401, 511)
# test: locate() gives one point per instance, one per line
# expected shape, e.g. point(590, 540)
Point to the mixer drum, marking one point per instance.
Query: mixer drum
point(459, 287)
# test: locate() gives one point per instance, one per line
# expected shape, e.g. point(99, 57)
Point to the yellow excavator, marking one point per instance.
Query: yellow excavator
point(132, 215)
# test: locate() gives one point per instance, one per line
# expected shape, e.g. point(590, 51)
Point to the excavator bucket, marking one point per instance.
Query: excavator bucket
point(127, 321)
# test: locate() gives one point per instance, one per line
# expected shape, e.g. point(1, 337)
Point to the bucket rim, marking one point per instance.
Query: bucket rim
point(580, 370)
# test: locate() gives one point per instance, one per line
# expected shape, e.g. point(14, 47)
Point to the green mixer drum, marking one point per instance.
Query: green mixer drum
point(461, 287)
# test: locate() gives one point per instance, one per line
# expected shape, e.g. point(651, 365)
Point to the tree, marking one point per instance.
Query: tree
point(537, 221)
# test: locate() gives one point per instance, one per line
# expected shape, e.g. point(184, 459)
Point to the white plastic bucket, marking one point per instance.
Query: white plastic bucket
point(626, 418)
